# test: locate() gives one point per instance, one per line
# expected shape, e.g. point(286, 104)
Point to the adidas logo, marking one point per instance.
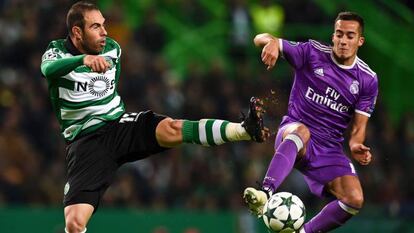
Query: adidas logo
point(319, 71)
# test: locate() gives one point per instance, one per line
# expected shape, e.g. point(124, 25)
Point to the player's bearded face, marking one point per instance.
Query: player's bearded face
point(346, 40)
point(94, 33)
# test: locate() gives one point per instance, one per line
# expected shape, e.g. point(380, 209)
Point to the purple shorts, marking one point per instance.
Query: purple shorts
point(321, 163)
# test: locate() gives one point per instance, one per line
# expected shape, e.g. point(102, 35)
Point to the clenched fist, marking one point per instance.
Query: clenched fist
point(97, 63)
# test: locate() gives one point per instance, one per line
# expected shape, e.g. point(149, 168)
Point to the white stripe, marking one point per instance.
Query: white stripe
point(118, 109)
point(77, 114)
point(120, 50)
point(322, 50)
point(78, 94)
point(366, 66)
point(320, 47)
point(217, 133)
point(348, 209)
point(77, 97)
point(69, 130)
point(113, 54)
point(281, 45)
point(91, 123)
point(352, 168)
point(363, 64)
point(87, 76)
point(202, 132)
point(367, 70)
point(296, 139)
point(362, 113)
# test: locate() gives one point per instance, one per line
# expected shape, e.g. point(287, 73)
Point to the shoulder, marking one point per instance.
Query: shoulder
point(55, 50)
point(365, 69)
point(57, 44)
point(111, 44)
point(367, 76)
point(320, 47)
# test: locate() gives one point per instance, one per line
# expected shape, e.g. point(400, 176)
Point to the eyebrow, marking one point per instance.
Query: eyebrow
point(345, 32)
point(97, 24)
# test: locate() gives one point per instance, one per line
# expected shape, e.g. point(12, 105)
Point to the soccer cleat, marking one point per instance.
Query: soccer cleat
point(253, 122)
point(255, 199)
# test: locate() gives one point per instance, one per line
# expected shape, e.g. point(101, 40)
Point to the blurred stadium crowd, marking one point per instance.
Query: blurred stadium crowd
point(32, 152)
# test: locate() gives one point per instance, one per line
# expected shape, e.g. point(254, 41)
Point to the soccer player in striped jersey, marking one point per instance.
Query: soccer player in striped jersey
point(83, 72)
point(332, 86)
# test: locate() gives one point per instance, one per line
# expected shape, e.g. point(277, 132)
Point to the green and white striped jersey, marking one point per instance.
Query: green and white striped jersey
point(83, 100)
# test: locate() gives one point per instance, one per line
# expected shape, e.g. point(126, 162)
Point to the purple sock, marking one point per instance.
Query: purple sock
point(282, 162)
point(333, 215)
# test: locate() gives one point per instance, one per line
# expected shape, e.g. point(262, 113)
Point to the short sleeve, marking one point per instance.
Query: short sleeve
point(368, 98)
point(294, 52)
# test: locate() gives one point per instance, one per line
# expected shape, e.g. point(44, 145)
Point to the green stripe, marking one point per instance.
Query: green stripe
point(196, 135)
point(69, 105)
point(83, 69)
point(91, 129)
point(223, 131)
point(66, 83)
point(187, 131)
point(105, 116)
point(209, 132)
point(105, 119)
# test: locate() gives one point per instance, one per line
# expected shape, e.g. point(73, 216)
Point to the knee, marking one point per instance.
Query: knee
point(168, 132)
point(354, 199)
point(303, 132)
point(75, 224)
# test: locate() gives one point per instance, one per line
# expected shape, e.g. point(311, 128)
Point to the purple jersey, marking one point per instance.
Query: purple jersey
point(325, 94)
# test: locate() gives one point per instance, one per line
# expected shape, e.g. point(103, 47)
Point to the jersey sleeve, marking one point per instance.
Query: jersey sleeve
point(55, 64)
point(294, 52)
point(368, 98)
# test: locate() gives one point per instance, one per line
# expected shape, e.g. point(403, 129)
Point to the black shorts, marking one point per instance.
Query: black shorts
point(93, 159)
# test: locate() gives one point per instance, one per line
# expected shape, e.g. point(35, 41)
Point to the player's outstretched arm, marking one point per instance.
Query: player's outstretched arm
point(270, 51)
point(60, 67)
point(359, 151)
point(63, 66)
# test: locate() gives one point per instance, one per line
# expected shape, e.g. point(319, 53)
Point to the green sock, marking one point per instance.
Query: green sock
point(211, 132)
point(206, 132)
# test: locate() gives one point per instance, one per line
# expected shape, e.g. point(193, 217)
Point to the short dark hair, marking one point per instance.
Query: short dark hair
point(346, 15)
point(75, 16)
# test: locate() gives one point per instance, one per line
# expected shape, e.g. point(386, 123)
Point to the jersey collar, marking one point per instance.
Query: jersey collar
point(71, 47)
point(344, 66)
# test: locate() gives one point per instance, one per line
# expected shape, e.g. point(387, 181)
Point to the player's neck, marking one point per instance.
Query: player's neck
point(76, 44)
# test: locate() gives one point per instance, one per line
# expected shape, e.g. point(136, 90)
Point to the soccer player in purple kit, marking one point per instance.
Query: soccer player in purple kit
point(331, 86)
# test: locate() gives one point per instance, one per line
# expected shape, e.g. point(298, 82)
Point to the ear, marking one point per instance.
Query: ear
point(77, 32)
point(361, 41)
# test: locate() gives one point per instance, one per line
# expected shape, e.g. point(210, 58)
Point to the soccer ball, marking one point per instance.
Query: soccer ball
point(284, 213)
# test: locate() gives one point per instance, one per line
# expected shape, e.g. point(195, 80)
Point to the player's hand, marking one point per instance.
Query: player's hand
point(96, 63)
point(361, 153)
point(270, 53)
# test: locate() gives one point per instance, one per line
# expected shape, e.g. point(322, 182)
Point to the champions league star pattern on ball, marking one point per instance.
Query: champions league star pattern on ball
point(284, 213)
